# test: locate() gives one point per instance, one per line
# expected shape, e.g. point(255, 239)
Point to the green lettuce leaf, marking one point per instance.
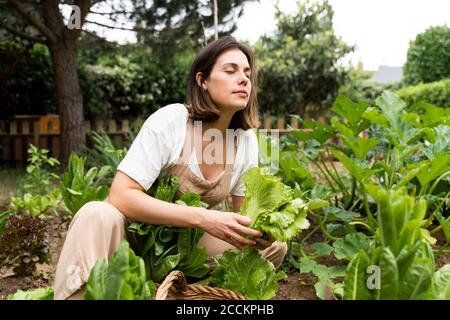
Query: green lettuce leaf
point(274, 207)
point(34, 294)
point(248, 273)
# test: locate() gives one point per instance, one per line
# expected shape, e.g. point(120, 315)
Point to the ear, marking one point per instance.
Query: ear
point(200, 81)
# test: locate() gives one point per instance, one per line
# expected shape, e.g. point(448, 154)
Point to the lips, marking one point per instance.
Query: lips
point(241, 93)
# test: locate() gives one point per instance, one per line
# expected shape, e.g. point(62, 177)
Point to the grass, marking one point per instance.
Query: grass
point(10, 180)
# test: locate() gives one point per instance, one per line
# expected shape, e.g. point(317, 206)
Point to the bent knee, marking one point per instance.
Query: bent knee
point(99, 212)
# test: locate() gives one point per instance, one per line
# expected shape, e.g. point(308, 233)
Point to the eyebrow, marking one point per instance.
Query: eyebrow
point(236, 66)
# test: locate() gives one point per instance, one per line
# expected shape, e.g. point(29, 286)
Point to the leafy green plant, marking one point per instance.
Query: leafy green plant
point(274, 207)
point(4, 218)
point(39, 178)
point(405, 259)
point(165, 248)
point(121, 278)
point(246, 272)
point(36, 205)
point(33, 294)
point(78, 187)
point(325, 286)
point(24, 243)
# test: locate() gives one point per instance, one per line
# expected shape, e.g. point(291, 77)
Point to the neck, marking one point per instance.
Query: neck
point(222, 123)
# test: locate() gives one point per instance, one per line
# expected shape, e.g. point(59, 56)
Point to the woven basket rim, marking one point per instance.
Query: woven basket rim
point(175, 287)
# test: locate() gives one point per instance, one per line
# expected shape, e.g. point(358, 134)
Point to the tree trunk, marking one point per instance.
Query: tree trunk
point(70, 99)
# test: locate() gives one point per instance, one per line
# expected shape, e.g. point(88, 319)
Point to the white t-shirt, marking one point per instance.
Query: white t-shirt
point(160, 141)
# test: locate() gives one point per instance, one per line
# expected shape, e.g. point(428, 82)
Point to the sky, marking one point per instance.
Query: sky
point(380, 29)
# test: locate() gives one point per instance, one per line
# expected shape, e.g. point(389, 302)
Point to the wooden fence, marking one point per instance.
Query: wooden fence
point(44, 132)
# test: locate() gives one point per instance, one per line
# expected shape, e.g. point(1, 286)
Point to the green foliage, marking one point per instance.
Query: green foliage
point(4, 218)
point(133, 82)
point(165, 189)
point(33, 294)
point(165, 248)
point(436, 93)
point(428, 56)
point(441, 283)
point(121, 278)
point(349, 246)
point(26, 77)
point(183, 25)
point(405, 260)
point(247, 273)
point(105, 153)
point(325, 284)
point(23, 244)
point(299, 71)
point(40, 178)
point(35, 205)
point(78, 187)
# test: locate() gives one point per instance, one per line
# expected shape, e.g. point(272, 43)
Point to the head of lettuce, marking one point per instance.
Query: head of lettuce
point(274, 207)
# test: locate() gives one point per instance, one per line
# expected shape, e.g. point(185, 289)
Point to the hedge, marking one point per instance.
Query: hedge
point(437, 93)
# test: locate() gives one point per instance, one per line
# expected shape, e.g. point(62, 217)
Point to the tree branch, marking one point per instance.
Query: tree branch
point(22, 35)
point(113, 13)
point(33, 21)
point(135, 29)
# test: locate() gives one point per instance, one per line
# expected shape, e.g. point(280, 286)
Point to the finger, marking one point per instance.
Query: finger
point(242, 219)
point(244, 230)
point(233, 242)
point(241, 240)
point(263, 243)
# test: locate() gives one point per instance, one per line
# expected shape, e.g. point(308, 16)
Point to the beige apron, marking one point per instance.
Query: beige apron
point(98, 227)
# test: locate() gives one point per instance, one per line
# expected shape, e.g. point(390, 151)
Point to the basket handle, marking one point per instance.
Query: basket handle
point(176, 279)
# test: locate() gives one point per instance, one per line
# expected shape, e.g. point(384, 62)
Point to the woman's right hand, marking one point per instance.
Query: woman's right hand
point(229, 227)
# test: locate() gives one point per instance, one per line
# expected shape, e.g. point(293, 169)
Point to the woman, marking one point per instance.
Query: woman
point(176, 140)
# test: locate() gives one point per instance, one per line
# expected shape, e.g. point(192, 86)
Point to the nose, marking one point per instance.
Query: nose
point(243, 80)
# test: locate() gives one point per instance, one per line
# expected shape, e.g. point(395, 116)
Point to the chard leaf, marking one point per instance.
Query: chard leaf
point(355, 287)
point(415, 282)
point(441, 286)
point(389, 282)
point(122, 278)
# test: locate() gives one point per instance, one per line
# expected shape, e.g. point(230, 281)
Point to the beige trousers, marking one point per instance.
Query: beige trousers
point(96, 231)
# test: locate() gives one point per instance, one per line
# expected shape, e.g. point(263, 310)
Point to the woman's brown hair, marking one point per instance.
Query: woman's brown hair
point(200, 104)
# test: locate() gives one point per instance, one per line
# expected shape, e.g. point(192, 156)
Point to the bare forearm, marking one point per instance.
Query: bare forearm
point(138, 206)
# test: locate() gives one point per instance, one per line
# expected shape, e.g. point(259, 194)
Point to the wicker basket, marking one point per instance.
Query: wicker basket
point(174, 287)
